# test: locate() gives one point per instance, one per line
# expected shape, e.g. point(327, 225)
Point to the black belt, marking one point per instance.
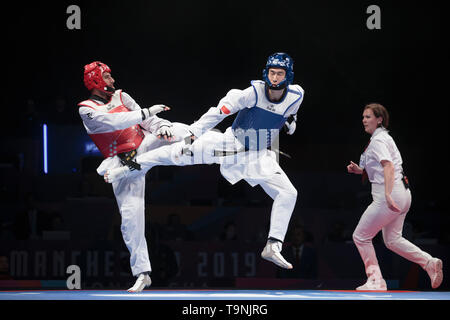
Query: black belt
point(126, 158)
point(224, 153)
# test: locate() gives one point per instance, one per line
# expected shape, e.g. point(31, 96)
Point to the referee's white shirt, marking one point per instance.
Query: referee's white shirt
point(381, 147)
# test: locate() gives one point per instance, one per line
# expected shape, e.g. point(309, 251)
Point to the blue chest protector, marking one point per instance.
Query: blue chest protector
point(257, 127)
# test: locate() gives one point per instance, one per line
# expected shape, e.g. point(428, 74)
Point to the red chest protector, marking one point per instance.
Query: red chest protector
point(119, 141)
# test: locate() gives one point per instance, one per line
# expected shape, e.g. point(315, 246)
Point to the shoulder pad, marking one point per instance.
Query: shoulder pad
point(87, 103)
point(296, 89)
point(256, 82)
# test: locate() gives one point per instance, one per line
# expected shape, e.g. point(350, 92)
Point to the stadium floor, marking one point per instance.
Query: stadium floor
point(222, 295)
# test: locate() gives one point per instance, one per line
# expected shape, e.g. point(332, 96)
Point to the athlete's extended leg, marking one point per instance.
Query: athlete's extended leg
point(157, 153)
point(180, 153)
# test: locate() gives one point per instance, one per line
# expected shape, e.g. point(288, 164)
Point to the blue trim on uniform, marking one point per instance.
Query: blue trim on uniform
point(296, 92)
point(256, 94)
point(300, 94)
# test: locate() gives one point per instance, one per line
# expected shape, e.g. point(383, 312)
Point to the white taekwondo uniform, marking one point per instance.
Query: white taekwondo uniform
point(244, 144)
point(254, 129)
point(116, 127)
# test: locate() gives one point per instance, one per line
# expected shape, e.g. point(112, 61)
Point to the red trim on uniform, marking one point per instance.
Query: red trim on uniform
point(120, 96)
point(225, 110)
point(101, 104)
point(117, 141)
point(98, 104)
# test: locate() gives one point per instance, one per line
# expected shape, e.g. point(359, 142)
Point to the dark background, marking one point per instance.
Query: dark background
point(188, 54)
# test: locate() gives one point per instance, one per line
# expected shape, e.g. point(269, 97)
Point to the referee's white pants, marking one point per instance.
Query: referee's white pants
point(379, 217)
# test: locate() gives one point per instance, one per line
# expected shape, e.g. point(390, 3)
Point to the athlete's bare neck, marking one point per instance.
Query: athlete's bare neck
point(276, 95)
point(101, 94)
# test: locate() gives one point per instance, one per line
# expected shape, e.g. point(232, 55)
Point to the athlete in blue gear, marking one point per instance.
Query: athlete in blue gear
point(247, 149)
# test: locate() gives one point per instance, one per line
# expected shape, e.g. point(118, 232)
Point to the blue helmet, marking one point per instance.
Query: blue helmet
point(279, 60)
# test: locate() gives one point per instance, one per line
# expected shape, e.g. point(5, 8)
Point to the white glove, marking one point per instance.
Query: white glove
point(290, 127)
point(157, 108)
point(165, 131)
point(153, 110)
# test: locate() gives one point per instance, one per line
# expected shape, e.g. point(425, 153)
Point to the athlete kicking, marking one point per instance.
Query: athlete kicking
point(121, 130)
point(244, 149)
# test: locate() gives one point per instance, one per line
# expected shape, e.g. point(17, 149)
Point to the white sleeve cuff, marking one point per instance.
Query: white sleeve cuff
point(146, 113)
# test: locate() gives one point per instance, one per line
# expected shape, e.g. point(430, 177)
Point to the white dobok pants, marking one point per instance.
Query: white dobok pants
point(256, 167)
point(379, 217)
point(130, 197)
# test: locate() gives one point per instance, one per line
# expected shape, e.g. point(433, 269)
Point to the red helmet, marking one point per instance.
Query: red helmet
point(93, 76)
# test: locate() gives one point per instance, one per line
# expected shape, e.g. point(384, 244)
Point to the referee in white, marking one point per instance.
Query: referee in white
point(381, 164)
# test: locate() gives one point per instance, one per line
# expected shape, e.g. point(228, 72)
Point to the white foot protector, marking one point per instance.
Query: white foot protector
point(113, 175)
point(373, 284)
point(271, 252)
point(434, 270)
point(142, 281)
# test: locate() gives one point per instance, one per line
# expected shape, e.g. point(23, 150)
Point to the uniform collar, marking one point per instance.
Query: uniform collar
point(266, 91)
point(98, 98)
point(377, 131)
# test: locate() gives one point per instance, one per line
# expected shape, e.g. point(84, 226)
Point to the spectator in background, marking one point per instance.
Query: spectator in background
point(4, 268)
point(59, 112)
point(338, 232)
point(57, 222)
point(261, 232)
point(6, 226)
point(29, 222)
point(164, 263)
point(229, 231)
point(301, 252)
point(29, 122)
point(174, 229)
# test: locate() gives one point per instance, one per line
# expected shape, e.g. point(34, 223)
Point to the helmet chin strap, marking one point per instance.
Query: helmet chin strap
point(104, 94)
point(108, 89)
point(281, 86)
point(278, 87)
